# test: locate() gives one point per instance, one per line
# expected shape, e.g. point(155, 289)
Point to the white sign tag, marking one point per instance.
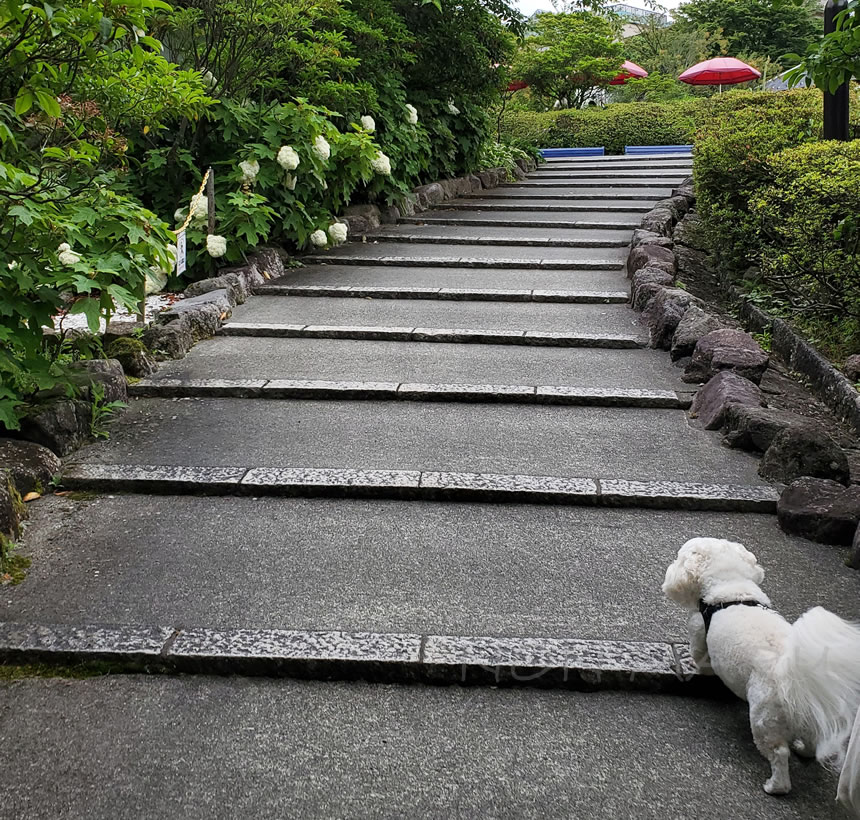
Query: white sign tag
point(180, 253)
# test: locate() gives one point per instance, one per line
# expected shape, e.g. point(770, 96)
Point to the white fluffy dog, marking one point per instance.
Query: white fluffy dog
point(802, 680)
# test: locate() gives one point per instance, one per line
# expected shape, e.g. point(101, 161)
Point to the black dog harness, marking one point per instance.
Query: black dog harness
point(708, 610)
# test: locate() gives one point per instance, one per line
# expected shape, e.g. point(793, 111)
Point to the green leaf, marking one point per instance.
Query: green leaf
point(48, 103)
point(24, 101)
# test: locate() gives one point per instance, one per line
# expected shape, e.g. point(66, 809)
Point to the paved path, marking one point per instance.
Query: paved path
point(442, 454)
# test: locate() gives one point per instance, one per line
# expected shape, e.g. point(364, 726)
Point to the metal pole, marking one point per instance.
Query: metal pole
point(836, 104)
point(210, 200)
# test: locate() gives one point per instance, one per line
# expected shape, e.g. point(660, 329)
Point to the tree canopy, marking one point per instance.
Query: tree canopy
point(770, 28)
point(568, 56)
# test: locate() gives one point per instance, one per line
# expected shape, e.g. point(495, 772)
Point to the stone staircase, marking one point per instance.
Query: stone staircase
point(444, 453)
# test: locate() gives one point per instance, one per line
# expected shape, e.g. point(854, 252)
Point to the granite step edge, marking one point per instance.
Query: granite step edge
point(570, 663)
point(419, 485)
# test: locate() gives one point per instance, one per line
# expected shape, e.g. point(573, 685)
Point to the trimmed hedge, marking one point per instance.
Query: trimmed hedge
point(613, 127)
point(807, 218)
point(736, 135)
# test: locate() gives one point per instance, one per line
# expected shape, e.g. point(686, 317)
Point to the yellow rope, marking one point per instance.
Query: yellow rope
point(194, 201)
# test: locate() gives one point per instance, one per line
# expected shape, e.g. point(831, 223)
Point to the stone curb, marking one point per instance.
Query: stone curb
point(572, 297)
point(598, 183)
point(528, 338)
point(596, 173)
point(833, 388)
point(547, 207)
point(417, 485)
point(321, 389)
point(465, 262)
point(565, 663)
point(516, 223)
point(536, 193)
point(441, 239)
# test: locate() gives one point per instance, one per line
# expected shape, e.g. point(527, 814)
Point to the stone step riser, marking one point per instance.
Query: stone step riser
point(413, 485)
point(284, 389)
point(441, 239)
point(517, 223)
point(654, 178)
point(433, 335)
point(372, 657)
point(544, 207)
point(602, 183)
point(537, 193)
point(612, 168)
point(442, 262)
point(448, 294)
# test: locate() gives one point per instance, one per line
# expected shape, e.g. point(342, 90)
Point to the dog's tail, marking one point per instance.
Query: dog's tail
point(819, 675)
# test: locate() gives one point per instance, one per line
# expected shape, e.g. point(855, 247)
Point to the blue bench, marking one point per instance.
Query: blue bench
point(552, 153)
point(658, 149)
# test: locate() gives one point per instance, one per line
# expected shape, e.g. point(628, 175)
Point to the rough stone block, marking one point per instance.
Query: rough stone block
point(804, 450)
point(121, 330)
point(650, 256)
point(429, 195)
point(692, 264)
point(821, 510)
point(854, 557)
point(61, 425)
point(643, 237)
point(727, 349)
point(645, 285)
point(694, 324)
point(268, 262)
point(750, 427)
point(107, 373)
point(658, 220)
point(851, 367)
point(664, 313)
point(132, 354)
point(30, 466)
point(389, 215)
point(690, 232)
point(235, 287)
point(723, 390)
point(12, 510)
point(172, 340)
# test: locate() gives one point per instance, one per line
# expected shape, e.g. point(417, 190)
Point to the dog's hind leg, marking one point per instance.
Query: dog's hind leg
point(771, 734)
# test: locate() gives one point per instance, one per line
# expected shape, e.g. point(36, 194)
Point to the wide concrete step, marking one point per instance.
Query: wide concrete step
point(611, 160)
point(610, 166)
point(560, 237)
point(412, 313)
point(542, 204)
point(383, 751)
point(553, 172)
point(340, 360)
point(452, 277)
point(599, 195)
point(513, 218)
point(566, 442)
point(615, 183)
point(393, 567)
point(471, 256)
point(572, 297)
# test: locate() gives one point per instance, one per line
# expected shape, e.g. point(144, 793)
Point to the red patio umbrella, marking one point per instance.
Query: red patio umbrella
point(628, 71)
point(517, 85)
point(719, 71)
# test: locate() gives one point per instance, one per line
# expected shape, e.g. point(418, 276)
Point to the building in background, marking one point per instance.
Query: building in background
point(634, 17)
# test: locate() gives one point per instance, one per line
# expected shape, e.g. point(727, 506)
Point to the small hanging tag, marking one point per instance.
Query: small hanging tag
point(180, 253)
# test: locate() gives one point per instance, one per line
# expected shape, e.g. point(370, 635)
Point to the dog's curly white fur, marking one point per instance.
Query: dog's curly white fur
point(802, 680)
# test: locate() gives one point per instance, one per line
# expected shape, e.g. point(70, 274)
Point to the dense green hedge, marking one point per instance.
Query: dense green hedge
point(612, 127)
point(781, 209)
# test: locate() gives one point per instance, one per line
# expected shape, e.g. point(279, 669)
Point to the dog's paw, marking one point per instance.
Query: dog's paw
point(776, 788)
point(802, 749)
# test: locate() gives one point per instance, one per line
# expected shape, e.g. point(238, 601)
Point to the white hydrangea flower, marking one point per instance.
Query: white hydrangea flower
point(319, 239)
point(452, 109)
point(139, 32)
point(412, 114)
point(209, 80)
point(381, 164)
point(66, 255)
point(216, 245)
point(249, 168)
point(13, 264)
point(288, 159)
point(290, 182)
point(368, 123)
point(337, 232)
point(321, 148)
point(201, 210)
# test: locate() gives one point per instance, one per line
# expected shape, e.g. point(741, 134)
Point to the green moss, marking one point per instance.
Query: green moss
point(93, 669)
point(82, 495)
point(13, 565)
point(125, 346)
